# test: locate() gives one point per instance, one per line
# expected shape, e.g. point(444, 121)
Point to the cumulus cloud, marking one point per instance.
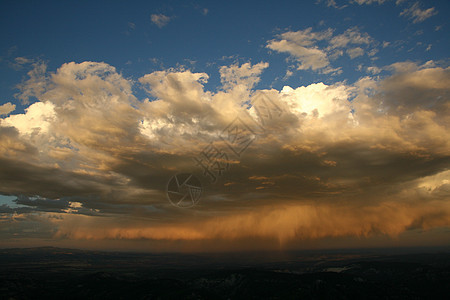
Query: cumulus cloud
point(246, 75)
point(37, 117)
point(7, 108)
point(88, 147)
point(160, 20)
point(415, 13)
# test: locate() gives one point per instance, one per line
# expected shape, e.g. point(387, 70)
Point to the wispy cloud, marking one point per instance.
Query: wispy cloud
point(160, 20)
point(355, 52)
point(361, 2)
point(301, 45)
point(417, 14)
point(315, 50)
point(331, 3)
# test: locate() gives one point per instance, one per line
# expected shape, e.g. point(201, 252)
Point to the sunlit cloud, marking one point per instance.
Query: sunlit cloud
point(319, 122)
point(316, 50)
point(7, 108)
point(94, 149)
point(160, 20)
point(417, 14)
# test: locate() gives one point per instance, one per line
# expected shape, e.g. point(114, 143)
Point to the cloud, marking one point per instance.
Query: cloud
point(246, 75)
point(361, 2)
point(20, 62)
point(300, 44)
point(355, 52)
point(284, 223)
point(335, 160)
point(351, 36)
point(314, 50)
point(331, 3)
point(160, 20)
point(7, 108)
point(37, 117)
point(36, 83)
point(418, 15)
point(374, 70)
point(310, 58)
point(23, 60)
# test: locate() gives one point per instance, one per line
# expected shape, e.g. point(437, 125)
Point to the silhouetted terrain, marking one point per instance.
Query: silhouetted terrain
point(54, 273)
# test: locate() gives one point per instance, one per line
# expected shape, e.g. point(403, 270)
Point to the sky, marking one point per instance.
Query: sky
point(224, 126)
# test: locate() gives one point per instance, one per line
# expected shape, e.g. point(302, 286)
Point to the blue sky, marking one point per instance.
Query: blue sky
point(203, 36)
point(102, 102)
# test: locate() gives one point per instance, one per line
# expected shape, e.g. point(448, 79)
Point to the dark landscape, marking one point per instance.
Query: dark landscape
point(55, 273)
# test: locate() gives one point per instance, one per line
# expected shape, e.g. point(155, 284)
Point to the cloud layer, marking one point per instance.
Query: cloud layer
point(88, 159)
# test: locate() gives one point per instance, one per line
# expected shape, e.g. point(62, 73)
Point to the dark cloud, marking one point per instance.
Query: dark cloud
point(92, 162)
